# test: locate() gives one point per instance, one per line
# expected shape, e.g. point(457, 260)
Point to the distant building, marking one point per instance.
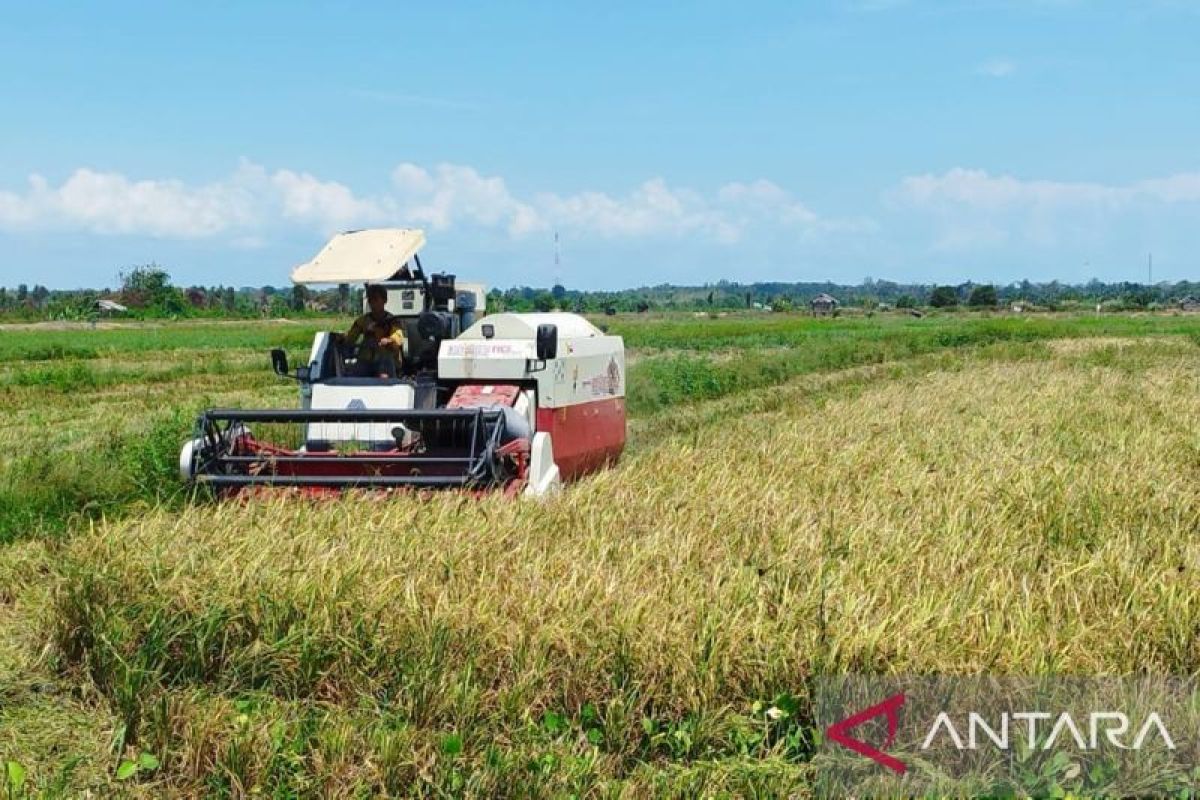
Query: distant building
point(1189, 303)
point(823, 304)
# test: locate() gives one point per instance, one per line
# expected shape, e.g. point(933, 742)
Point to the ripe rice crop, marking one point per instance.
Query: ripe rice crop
point(1020, 507)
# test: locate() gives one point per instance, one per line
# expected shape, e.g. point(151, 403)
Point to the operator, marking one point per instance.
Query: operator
point(382, 340)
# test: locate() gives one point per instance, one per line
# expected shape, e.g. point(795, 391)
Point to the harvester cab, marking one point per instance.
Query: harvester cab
point(519, 402)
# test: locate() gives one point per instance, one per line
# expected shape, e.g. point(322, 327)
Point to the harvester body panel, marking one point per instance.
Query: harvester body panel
point(580, 393)
point(356, 394)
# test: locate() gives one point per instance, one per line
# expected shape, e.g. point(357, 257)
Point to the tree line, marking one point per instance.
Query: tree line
point(870, 294)
point(147, 292)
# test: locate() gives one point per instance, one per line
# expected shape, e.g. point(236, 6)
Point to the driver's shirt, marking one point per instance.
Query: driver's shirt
point(371, 330)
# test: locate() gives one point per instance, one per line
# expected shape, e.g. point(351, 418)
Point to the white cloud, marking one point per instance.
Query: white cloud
point(656, 209)
point(769, 200)
point(971, 208)
point(247, 205)
point(1183, 187)
point(652, 209)
point(249, 199)
point(110, 203)
point(996, 68)
point(304, 198)
point(978, 189)
point(453, 193)
point(450, 194)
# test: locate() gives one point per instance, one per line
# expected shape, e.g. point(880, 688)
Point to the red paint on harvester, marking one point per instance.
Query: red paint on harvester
point(585, 436)
point(474, 395)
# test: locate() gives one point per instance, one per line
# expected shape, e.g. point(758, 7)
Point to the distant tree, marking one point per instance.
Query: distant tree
point(344, 297)
point(22, 294)
point(983, 297)
point(710, 298)
point(229, 299)
point(39, 295)
point(196, 297)
point(173, 303)
point(299, 297)
point(145, 285)
point(3, 297)
point(943, 297)
point(543, 301)
point(558, 292)
point(906, 301)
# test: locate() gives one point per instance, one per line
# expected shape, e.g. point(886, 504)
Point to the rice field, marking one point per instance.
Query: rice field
point(950, 495)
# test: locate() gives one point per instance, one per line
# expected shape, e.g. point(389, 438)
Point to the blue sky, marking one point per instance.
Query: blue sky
point(665, 142)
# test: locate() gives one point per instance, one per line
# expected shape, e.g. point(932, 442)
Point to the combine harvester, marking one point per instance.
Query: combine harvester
point(515, 402)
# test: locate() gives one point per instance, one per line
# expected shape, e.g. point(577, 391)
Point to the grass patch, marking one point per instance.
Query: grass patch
point(81, 343)
point(74, 377)
point(44, 492)
point(758, 331)
point(664, 382)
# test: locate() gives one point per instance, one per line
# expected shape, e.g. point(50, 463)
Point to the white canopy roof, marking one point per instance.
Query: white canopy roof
point(362, 256)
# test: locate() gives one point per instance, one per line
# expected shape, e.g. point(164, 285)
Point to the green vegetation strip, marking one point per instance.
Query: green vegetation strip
point(81, 342)
point(43, 491)
point(787, 330)
point(774, 350)
point(79, 376)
